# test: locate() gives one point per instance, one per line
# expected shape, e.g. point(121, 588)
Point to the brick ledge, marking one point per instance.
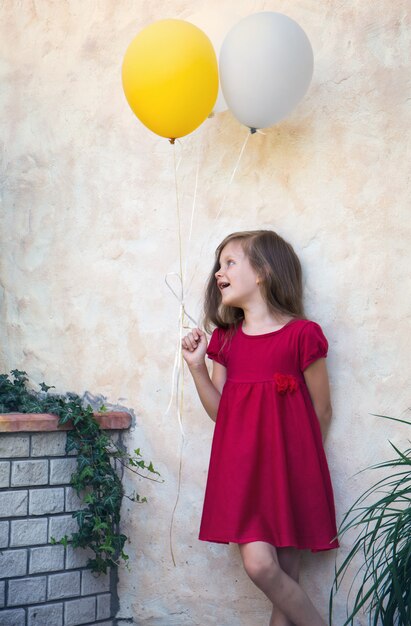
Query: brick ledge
point(42, 422)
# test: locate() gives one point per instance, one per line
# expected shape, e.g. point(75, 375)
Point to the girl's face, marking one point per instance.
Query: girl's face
point(236, 279)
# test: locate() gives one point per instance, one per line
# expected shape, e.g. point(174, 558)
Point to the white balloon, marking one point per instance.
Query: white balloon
point(266, 65)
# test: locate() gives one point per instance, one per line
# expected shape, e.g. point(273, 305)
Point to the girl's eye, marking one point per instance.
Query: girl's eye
point(229, 262)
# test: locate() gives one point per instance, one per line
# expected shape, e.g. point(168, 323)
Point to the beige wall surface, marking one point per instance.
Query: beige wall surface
point(89, 231)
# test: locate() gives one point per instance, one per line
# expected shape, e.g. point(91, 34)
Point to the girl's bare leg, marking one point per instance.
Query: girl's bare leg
point(261, 563)
point(289, 560)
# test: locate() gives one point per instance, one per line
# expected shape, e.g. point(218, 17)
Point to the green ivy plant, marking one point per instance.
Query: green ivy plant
point(96, 479)
point(384, 541)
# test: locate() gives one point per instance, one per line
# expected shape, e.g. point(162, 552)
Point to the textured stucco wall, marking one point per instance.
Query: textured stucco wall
point(89, 231)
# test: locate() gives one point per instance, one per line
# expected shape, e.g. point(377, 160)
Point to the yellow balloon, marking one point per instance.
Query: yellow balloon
point(170, 77)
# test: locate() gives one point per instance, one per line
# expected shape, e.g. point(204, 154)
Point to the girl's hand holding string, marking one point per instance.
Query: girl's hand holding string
point(194, 346)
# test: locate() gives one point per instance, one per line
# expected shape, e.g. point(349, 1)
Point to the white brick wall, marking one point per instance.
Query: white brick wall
point(43, 501)
point(13, 618)
point(25, 473)
point(43, 584)
point(46, 559)
point(13, 503)
point(28, 532)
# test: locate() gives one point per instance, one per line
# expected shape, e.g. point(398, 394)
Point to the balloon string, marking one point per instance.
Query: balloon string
point(179, 380)
point(178, 366)
point(180, 245)
point(181, 294)
point(231, 178)
point(200, 256)
point(177, 361)
point(180, 143)
point(192, 211)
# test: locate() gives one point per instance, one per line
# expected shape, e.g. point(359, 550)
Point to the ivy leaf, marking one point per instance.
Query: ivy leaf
point(98, 525)
point(45, 387)
point(63, 541)
point(111, 502)
point(90, 498)
point(107, 548)
point(81, 517)
point(152, 470)
point(86, 472)
point(71, 443)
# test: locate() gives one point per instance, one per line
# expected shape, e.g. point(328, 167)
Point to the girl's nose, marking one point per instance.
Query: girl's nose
point(218, 273)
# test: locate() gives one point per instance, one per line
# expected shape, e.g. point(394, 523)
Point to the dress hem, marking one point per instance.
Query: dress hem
point(276, 545)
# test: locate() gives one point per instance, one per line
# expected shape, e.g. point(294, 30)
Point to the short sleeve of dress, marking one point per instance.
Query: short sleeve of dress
point(312, 344)
point(214, 350)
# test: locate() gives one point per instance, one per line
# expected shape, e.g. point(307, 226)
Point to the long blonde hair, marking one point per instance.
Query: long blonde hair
point(275, 261)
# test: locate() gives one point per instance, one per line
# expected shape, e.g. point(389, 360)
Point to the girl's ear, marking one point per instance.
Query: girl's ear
point(263, 275)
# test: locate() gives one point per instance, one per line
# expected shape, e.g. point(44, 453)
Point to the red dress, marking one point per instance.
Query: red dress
point(268, 477)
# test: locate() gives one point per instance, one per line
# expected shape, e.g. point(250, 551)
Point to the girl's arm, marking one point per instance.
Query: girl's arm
point(316, 377)
point(208, 390)
point(194, 347)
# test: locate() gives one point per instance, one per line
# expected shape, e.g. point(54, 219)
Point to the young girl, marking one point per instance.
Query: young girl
point(268, 486)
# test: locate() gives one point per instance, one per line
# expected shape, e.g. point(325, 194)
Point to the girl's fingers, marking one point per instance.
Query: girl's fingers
point(186, 344)
point(191, 341)
point(199, 333)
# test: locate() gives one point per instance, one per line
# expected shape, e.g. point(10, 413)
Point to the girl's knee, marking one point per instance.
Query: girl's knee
point(258, 569)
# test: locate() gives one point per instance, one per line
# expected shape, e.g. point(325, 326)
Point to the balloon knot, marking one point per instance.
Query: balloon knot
point(172, 141)
point(253, 130)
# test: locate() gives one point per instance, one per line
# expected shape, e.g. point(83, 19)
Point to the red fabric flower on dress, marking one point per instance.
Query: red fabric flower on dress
point(285, 382)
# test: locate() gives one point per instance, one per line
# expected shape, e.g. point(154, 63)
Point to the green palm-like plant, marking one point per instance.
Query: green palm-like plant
point(385, 542)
